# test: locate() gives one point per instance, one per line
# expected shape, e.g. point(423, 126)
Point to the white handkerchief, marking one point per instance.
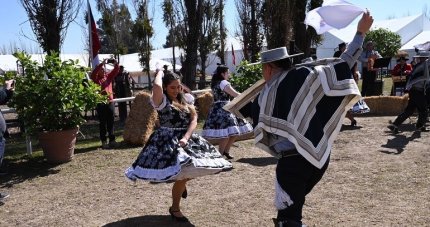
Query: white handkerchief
point(332, 14)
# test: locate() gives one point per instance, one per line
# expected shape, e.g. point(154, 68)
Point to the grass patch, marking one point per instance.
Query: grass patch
point(87, 140)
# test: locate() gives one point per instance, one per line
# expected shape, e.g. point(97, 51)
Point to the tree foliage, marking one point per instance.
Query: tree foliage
point(386, 42)
point(246, 75)
point(53, 96)
point(283, 21)
point(251, 29)
point(115, 28)
point(210, 34)
point(49, 20)
point(142, 32)
point(190, 16)
point(278, 22)
point(304, 38)
point(170, 20)
point(221, 48)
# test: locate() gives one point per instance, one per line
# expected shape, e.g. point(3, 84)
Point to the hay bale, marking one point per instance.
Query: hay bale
point(386, 105)
point(141, 120)
point(203, 104)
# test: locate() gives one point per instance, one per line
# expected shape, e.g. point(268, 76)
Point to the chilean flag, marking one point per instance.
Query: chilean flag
point(95, 44)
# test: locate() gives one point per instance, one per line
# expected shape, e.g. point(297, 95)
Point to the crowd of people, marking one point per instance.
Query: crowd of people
point(418, 88)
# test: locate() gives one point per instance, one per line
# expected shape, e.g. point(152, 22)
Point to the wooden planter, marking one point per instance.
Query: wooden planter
point(58, 146)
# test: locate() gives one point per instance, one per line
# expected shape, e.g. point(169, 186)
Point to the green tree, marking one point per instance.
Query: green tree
point(284, 24)
point(194, 21)
point(278, 22)
point(246, 75)
point(305, 38)
point(169, 19)
point(222, 33)
point(115, 28)
point(142, 32)
point(386, 42)
point(49, 20)
point(251, 28)
point(209, 35)
point(189, 17)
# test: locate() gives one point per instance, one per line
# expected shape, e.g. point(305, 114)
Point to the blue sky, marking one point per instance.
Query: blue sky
point(15, 27)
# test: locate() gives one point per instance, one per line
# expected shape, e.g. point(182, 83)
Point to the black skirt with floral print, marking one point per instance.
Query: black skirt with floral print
point(162, 159)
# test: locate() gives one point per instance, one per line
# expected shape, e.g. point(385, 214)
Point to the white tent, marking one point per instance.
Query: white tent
point(413, 30)
point(131, 63)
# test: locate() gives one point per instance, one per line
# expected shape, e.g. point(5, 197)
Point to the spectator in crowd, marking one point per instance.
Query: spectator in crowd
point(123, 88)
point(174, 153)
point(341, 49)
point(417, 86)
point(5, 94)
point(369, 75)
point(402, 68)
point(106, 111)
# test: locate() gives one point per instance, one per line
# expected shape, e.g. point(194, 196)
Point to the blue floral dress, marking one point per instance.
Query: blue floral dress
point(162, 159)
point(221, 123)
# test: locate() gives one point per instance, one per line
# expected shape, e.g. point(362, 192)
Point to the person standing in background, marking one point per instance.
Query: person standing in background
point(369, 76)
point(342, 48)
point(5, 94)
point(123, 88)
point(417, 85)
point(106, 111)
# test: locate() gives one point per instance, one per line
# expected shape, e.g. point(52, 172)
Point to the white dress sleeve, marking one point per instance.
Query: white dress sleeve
point(224, 84)
point(162, 105)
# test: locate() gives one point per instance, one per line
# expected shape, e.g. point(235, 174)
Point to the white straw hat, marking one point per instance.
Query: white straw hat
point(275, 55)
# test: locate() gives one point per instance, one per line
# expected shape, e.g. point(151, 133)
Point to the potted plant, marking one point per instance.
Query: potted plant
point(50, 100)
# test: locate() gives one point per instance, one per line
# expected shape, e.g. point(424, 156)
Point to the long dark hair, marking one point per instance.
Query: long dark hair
point(167, 79)
point(216, 77)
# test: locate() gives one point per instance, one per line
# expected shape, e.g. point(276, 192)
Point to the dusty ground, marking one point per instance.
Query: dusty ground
point(374, 179)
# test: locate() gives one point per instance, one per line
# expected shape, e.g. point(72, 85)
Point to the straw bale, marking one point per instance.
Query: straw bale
point(386, 105)
point(141, 120)
point(203, 104)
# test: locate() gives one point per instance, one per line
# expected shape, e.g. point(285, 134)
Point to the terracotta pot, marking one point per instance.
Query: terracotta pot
point(58, 146)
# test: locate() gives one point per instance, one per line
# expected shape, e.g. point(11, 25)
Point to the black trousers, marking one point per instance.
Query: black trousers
point(122, 106)
point(369, 78)
point(417, 100)
point(297, 177)
point(106, 114)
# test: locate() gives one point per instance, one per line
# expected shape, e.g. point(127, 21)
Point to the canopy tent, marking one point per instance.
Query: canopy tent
point(131, 63)
point(413, 31)
point(424, 46)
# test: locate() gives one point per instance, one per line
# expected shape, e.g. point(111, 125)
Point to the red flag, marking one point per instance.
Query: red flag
point(232, 55)
point(95, 44)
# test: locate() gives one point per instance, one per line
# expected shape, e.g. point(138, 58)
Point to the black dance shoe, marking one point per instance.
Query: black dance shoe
point(184, 194)
point(176, 218)
point(353, 123)
point(393, 128)
point(228, 156)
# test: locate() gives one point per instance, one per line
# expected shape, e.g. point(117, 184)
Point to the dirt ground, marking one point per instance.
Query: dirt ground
point(375, 178)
